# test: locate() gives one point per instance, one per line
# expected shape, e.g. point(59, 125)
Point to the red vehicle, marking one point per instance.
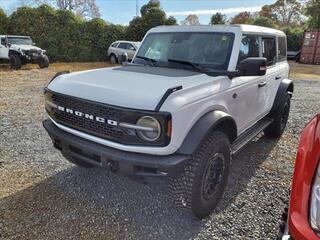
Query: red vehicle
point(304, 210)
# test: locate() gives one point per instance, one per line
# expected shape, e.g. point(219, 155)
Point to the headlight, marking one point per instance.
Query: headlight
point(152, 129)
point(315, 202)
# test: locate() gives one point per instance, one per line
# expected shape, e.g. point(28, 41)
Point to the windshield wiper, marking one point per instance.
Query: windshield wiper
point(151, 61)
point(207, 70)
point(195, 66)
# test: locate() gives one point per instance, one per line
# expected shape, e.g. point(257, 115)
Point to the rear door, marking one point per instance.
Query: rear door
point(277, 67)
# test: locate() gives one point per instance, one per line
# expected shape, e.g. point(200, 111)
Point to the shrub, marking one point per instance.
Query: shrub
point(294, 38)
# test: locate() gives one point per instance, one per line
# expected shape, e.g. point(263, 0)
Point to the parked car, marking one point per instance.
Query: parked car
point(20, 50)
point(118, 48)
point(303, 220)
point(192, 97)
point(294, 55)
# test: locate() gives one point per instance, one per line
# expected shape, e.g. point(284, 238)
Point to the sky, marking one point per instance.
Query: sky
point(122, 11)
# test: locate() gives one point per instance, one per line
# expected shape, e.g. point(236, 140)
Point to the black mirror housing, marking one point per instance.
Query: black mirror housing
point(253, 66)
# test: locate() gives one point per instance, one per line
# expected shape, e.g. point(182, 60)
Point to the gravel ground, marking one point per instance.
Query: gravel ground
point(42, 196)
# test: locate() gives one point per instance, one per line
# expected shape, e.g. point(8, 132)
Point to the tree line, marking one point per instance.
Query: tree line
point(70, 36)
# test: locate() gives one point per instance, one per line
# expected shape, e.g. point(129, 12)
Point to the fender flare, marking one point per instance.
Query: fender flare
point(286, 86)
point(207, 123)
point(11, 51)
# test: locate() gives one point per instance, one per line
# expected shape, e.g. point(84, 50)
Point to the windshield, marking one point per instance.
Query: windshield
point(176, 49)
point(19, 41)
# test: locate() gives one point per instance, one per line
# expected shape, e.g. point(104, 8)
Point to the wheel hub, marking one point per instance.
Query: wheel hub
point(213, 175)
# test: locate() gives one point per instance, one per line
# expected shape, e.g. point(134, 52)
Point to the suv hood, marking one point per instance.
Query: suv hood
point(139, 87)
point(24, 47)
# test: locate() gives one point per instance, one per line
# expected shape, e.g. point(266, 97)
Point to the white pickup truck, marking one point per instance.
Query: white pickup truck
point(20, 50)
point(191, 98)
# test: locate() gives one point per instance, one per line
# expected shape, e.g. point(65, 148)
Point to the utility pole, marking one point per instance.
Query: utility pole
point(137, 8)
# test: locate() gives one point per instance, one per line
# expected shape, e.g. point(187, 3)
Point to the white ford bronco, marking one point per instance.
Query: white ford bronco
point(191, 98)
point(20, 50)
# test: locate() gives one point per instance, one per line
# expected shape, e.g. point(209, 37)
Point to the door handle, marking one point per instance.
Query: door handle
point(278, 77)
point(262, 84)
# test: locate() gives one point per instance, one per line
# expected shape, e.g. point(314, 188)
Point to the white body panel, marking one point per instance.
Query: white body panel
point(240, 97)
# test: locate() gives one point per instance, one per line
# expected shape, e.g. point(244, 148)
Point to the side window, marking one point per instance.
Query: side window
point(3, 41)
point(123, 45)
point(130, 47)
point(282, 49)
point(114, 44)
point(269, 50)
point(249, 47)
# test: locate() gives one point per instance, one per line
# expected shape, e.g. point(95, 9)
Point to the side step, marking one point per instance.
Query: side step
point(250, 134)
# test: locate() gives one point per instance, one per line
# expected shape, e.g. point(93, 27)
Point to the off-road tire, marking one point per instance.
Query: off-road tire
point(15, 61)
point(187, 188)
point(280, 119)
point(78, 162)
point(44, 62)
point(113, 59)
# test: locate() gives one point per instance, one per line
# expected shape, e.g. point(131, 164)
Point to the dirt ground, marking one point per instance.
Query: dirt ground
point(42, 196)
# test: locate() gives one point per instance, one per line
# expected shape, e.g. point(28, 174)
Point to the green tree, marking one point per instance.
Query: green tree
point(151, 16)
point(264, 22)
point(312, 10)
point(3, 22)
point(218, 18)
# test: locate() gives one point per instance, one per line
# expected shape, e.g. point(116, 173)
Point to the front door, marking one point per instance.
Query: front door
point(250, 93)
point(4, 50)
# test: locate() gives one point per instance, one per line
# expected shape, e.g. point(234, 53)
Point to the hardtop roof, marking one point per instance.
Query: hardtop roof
point(235, 28)
point(15, 36)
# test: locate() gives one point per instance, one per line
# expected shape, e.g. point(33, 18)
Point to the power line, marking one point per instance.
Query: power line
point(137, 8)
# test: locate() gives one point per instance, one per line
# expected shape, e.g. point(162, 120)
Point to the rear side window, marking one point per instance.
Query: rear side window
point(114, 44)
point(269, 50)
point(123, 45)
point(249, 47)
point(282, 49)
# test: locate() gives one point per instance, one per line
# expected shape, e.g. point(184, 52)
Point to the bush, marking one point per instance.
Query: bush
point(65, 36)
point(294, 38)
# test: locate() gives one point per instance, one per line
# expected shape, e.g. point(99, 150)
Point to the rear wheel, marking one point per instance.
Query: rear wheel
point(113, 59)
point(199, 187)
point(15, 61)
point(280, 119)
point(44, 62)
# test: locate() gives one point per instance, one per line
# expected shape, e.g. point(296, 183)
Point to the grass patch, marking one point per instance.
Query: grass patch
point(300, 71)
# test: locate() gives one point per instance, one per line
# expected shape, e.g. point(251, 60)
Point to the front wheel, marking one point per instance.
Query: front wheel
point(280, 119)
point(44, 62)
point(15, 61)
point(199, 187)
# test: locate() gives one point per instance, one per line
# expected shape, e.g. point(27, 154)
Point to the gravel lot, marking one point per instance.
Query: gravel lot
point(42, 196)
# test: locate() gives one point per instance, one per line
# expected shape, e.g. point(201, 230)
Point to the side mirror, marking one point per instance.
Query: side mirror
point(123, 58)
point(33, 44)
point(253, 66)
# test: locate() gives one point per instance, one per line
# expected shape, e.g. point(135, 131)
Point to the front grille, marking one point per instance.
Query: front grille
point(109, 131)
point(87, 125)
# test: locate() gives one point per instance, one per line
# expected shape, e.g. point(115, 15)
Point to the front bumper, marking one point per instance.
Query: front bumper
point(125, 163)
